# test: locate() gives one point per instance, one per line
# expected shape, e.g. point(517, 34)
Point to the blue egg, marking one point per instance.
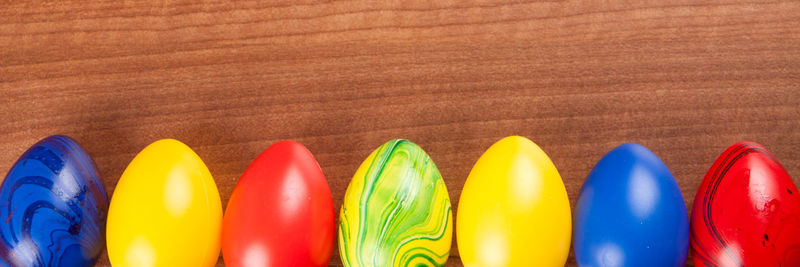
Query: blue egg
point(631, 212)
point(54, 207)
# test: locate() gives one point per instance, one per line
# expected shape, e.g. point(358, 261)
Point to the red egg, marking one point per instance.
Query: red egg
point(281, 212)
point(746, 212)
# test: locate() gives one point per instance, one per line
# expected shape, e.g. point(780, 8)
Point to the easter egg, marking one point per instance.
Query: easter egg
point(746, 212)
point(514, 209)
point(630, 212)
point(165, 210)
point(281, 212)
point(54, 207)
point(396, 210)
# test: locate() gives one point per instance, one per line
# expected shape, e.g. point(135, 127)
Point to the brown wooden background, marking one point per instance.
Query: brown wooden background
point(684, 78)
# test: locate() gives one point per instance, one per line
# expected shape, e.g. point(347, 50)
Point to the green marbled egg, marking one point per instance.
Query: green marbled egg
point(396, 210)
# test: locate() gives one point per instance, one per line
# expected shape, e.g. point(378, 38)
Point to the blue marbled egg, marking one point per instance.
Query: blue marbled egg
point(54, 207)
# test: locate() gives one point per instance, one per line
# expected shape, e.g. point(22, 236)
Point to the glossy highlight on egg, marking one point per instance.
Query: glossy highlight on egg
point(165, 210)
point(396, 210)
point(53, 207)
point(746, 211)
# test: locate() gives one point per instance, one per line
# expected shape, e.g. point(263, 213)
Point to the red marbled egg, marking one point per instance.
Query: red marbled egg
point(746, 212)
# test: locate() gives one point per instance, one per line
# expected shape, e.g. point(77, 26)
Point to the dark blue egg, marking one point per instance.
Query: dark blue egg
point(54, 207)
point(631, 212)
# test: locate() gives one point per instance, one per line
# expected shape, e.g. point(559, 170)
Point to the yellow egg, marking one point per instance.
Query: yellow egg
point(165, 211)
point(514, 209)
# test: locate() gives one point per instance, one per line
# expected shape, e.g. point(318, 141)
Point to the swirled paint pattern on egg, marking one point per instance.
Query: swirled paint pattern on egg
point(396, 210)
point(54, 207)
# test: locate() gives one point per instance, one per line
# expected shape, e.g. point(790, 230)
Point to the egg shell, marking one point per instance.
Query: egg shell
point(54, 207)
point(165, 210)
point(630, 212)
point(514, 209)
point(281, 212)
point(746, 212)
point(396, 210)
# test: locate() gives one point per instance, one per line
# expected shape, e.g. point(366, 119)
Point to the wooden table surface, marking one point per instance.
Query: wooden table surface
point(684, 78)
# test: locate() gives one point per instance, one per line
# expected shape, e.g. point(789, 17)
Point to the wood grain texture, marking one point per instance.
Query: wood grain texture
point(229, 78)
